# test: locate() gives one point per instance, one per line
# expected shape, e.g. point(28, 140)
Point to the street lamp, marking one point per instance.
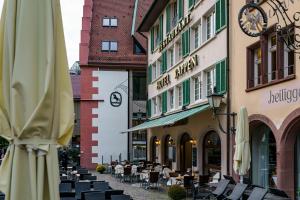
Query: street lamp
point(215, 101)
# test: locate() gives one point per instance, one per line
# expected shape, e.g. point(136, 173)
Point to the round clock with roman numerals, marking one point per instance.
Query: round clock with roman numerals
point(253, 20)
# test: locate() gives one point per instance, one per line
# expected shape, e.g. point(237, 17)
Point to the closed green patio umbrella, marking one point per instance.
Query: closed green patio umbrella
point(242, 155)
point(36, 105)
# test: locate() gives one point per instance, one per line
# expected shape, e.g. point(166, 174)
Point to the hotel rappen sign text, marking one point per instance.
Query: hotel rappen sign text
point(179, 72)
point(186, 67)
point(181, 25)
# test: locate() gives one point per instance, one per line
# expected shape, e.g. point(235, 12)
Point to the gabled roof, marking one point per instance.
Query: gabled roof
point(151, 16)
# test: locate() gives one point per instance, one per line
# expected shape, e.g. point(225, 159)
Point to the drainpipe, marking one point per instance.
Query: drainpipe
point(228, 92)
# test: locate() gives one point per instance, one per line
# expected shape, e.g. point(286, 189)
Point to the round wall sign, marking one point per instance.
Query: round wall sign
point(116, 99)
point(253, 20)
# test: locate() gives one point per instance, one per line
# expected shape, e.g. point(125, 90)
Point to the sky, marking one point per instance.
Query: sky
point(72, 15)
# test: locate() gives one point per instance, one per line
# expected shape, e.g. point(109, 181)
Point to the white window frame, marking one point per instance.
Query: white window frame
point(179, 95)
point(271, 49)
point(286, 60)
point(109, 22)
point(159, 104)
point(154, 71)
point(154, 102)
point(210, 75)
point(109, 46)
point(197, 82)
point(171, 104)
point(257, 62)
point(212, 16)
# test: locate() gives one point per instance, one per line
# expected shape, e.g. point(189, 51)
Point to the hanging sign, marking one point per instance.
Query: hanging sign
point(116, 99)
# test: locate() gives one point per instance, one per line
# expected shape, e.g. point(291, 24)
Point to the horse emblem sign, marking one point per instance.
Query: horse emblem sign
point(116, 99)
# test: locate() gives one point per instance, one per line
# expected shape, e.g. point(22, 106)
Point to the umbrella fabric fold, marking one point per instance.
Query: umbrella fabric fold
point(36, 101)
point(242, 155)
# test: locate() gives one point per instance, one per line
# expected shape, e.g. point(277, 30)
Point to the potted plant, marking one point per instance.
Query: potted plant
point(100, 168)
point(176, 192)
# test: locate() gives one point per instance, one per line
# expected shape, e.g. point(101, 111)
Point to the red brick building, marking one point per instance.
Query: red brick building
point(113, 68)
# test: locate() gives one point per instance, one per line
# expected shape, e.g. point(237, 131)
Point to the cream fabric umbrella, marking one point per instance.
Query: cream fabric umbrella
point(36, 105)
point(242, 155)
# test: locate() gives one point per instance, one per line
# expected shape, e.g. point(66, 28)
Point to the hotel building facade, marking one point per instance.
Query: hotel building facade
point(187, 60)
point(265, 79)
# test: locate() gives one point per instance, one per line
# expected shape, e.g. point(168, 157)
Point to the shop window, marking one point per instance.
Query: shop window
point(263, 157)
point(212, 154)
point(139, 86)
point(270, 60)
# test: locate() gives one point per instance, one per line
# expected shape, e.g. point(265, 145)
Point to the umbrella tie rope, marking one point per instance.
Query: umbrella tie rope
point(33, 141)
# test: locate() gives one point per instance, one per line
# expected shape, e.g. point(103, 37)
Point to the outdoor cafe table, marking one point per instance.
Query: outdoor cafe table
point(268, 196)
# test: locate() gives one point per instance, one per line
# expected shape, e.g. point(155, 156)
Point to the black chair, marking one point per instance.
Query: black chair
point(188, 183)
point(67, 194)
point(82, 171)
point(127, 174)
point(2, 197)
point(81, 187)
point(109, 193)
point(65, 187)
point(92, 183)
point(81, 177)
point(93, 195)
point(258, 194)
point(101, 186)
point(120, 197)
point(237, 192)
point(217, 193)
point(153, 179)
point(89, 177)
point(69, 181)
point(278, 192)
point(68, 198)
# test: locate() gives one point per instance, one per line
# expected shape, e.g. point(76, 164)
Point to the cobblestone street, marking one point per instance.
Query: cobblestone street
point(133, 190)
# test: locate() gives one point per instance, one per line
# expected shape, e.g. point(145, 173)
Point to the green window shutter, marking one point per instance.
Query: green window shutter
point(152, 39)
point(149, 74)
point(164, 102)
point(149, 108)
point(221, 77)
point(218, 15)
point(186, 92)
point(164, 61)
point(183, 44)
point(180, 9)
point(186, 43)
point(161, 28)
point(168, 18)
point(191, 3)
point(218, 77)
point(221, 14)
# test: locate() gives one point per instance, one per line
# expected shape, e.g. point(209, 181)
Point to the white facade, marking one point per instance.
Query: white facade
point(111, 121)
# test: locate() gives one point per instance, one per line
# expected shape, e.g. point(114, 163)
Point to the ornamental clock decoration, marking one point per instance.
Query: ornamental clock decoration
point(253, 20)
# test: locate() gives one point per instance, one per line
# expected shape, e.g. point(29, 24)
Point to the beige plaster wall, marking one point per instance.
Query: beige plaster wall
point(257, 101)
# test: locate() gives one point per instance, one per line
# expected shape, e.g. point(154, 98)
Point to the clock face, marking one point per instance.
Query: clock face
point(253, 20)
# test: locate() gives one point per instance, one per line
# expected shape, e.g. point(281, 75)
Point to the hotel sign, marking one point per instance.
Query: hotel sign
point(181, 25)
point(163, 82)
point(186, 67)
point(284, 95)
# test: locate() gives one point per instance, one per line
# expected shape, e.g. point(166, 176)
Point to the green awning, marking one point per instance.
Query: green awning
point(169, 119)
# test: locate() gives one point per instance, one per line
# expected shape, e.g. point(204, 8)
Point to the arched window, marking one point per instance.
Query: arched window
point(212, 154)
